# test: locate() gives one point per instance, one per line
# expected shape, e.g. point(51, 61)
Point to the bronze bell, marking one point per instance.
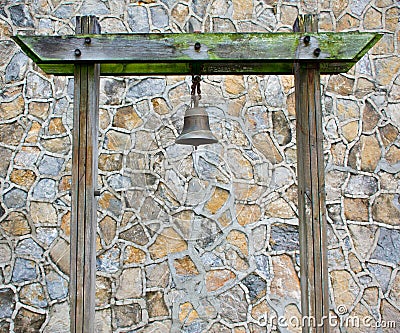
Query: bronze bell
point(196, 128)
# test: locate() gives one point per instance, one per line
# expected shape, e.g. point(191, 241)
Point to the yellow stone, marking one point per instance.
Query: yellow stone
point(285, 282)
point(347, 22)
point(187, 313)
point(355, 264)
point(293, 317)
point(279, 208)
point(344, 287)
point(371, 295)
point(287, 82)
point(66, 223)
point(263, 143)
point(253, 90)
point(65, 184)
point(133, 255)
point(180, 12)
point(393, 155)
point(388, 134)
point(185, 266)
point(247, 214)
point(59, 253)
point(356, 209)
point(372, 19)
point(370, 153)
point(385, 67)
point(234, 84)
point(364, 87)
point(218, 278)
point(126, 117)
point(22, 177)
point(16, 224)
point(262, 312)
point(392, 19)
point(384, 46)
point(350, 131)
point(242, 9)
point(347, 110)
point(225, 219)
point(160, 105)
point(289, 14)
point(169, 241)
point(108, 228)
point(12, 109)
point(33, 133)
point(341, 85)
point(236, 105)
point(56, 126)
point(325, 22)
point(291, 104)
point(118, 140)
point(104, 118)
point(217, 200)
point(57, 145)
point(239, 240)
point(39, 109)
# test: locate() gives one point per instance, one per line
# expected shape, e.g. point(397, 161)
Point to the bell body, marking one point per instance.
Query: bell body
point(196, 128)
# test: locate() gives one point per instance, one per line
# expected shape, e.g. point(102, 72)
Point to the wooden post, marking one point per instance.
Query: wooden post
point(84, 180)
point(311, 187)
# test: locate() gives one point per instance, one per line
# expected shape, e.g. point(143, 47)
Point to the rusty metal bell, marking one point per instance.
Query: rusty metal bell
point(196, 128)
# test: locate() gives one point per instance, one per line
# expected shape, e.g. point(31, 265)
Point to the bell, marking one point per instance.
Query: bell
point(196, 128)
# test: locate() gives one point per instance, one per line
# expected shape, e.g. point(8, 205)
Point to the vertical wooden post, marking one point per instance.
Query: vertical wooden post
point(84, 180)
point(311, 186)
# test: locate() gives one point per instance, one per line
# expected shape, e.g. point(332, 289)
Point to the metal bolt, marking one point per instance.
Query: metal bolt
point(77, 52)
point(197, 46)
point(306, 39)
point(88, 40)
point(97, 193)
point(317, 51)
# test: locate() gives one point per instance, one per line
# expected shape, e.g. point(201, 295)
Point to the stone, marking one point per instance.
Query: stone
point(127, 315)
point(50, 165)
point(57, 145)
point(27, 321)
point(27, 157)
point(263, 143)
point(345, 289)
point(370, 117)
point(363, 87)
point(386, 209)
point(46, 236)
point(129, 284)
point(388, 246)
point(94, 7)
point(365, 154)
point(109, 261)
point(355, 264)
point(12, 109)
point(159, 17)
point(279, 208)
point(56, 126)
point(108, 229)
point(157, 275)
point(33, 295)
point(187, 313)
point(325, 22)
point(103, 291)
point(347, 22)
point(356, 209)
point(28, 247)
point(103, 317)
point(5, 254)
point(16, 68)
point(157, 326)
point(388, 134)
point(135, 234)
point(39, 110)
point(347, 110)
point(156, 306)
point(363, 237)
point(126, 117)
point(361, 185)
point(16, 198)
point(392, 19)
point(371, 296)
point(288, 14)
point(146, 87)
point(218, 278)
point(185, 266)
point(59, 254)
point(11, 133)
point(341, 85)
point(247, 214)
point(24, 270)
point(37, 87)
point(117, 141)
point(234, 84)
point(7, 303)
point(393, 156)
point(168, 242)
point(242, 10)
point(58, 318)
point(16, 224)
point(110, 162)
point(43, 213)
point(133, 255)
point(138, 19)
point(285, 282)
point(57, 286)
point(273, 91)
point(20, 16)
point(239, 240)
point(233, 306)
point(373, 19)
point(256, 286)
point(5, 160)
point(284, 237)
point(239, 164)
point(160, 105)
point(350, 131)
point(45, 189)
point(382, 275)
point(358, 7)
point(180, 12)
point(281, 128)
point(33, 133)
point(256, 118)
point(110, 203)
point(385, 67)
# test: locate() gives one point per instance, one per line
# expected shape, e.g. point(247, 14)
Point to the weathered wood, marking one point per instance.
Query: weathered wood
point(84, 179)
point(220, 53)
point(311, 189)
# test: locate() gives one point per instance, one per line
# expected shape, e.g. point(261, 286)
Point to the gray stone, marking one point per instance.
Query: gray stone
point(57, 286)
point(135, 234)
point(205, 231)
point(267, 17)
point(281, 127)
point(146, 87)
point(159, 16)
point(58, 319)
point(388, 247)
point(50, 165)
point(262, 264)
point(274, 94)
point(11, 133)
point(109, 261)
point(364, 65)
point(5, 253)
point(334, 213)
point(284, 237)
point(28, 247)
point(37, 87)
point(196, 326)
point(4, 161)
point(256, 285)
point(127, 315)
point(16, 198)
point(46, 236)
point(24, 270)
point(7, 303)
point(358, 6)
point(45, 189)
point(281, 176)
point(233, 305)
point(94, 7)
point(119, 182)
point(33, 294)
point(382, 275)
point(211, 260)
point(256, 118)
point(16, 68)
point(65, 11)
point(61, 106)
point(361, 185)
point(20, 16)
point(199, 7)
point(137, 19)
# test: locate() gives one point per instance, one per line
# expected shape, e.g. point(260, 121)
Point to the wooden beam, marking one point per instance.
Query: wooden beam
point(219, 53)
point(311, 192)
point(84, 180)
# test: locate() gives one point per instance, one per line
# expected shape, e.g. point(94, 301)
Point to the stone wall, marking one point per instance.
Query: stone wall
point(205, 240)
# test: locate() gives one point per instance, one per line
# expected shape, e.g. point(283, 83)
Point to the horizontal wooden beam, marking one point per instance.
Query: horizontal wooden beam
point(215, 53)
